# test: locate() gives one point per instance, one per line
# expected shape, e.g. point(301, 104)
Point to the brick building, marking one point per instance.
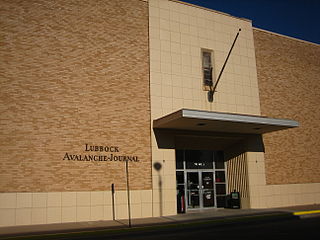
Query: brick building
point(88, 86)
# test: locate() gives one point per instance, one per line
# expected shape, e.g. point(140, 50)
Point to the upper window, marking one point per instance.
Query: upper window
point(207, 69)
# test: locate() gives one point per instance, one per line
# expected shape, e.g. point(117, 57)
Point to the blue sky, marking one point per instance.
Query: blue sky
point(295, 18)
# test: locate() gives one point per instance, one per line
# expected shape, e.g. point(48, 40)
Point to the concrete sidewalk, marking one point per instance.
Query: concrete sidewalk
point(216, 215)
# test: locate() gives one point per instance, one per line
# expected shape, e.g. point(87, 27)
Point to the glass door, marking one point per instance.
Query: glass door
point(193, 190)
point(200, 189)
point(207, 189)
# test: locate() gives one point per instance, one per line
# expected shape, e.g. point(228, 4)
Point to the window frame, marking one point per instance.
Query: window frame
point(206, 86)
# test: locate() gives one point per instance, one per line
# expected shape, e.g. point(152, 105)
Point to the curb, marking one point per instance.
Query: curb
point(217, 222)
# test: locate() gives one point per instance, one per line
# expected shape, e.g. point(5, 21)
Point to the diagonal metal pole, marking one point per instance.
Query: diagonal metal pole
point(225, 63)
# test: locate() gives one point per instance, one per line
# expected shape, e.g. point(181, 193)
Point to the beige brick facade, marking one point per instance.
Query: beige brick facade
point(289, 87)
point(73, 73)
point(80, 87)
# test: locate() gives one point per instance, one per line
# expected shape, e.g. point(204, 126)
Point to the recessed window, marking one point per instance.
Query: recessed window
point(207, 69)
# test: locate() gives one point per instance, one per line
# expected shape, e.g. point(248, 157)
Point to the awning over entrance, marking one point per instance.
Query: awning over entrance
point(197, 120)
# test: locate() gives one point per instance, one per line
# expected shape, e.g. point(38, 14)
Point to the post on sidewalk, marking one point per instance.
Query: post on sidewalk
point(128, 193)
point(113, 208)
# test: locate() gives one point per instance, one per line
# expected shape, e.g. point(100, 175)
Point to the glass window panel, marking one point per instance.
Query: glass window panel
point(208, 198)
point(193, 180)
point(180, 189)
point(206, 59)
point(219, 160)
point(207, 76)
point(206, 159)
point(220, 176)
point(191, 157)
point(207, 180)
point(193, 189)
point(198, 159)
point(193, 200)
point(221, 188)
point(192, 164)
point(180, 177)
point(221, 200)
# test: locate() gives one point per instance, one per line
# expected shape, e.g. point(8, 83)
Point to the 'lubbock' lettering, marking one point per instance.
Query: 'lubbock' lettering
point(95, 148)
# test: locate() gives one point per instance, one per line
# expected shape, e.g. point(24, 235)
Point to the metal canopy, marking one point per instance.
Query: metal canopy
point(196, 120)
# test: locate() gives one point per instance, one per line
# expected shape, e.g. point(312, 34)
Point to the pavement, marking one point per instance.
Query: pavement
point(218, 215)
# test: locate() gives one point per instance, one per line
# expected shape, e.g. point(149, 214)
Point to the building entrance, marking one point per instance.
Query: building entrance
point(201, 181)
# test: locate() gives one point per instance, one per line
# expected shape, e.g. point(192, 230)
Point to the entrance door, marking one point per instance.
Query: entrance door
point(201, 181)
point(193, 190)
point(200, 189)
point(207, 189)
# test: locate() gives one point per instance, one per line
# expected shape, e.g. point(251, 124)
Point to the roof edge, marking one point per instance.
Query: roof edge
point(285, 36)
point(236, 117)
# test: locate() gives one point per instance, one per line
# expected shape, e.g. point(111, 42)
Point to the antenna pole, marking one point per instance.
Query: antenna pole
point(212, 90)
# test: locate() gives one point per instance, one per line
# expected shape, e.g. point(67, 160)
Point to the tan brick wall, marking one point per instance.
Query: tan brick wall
point(73, 72)
point(289, 85)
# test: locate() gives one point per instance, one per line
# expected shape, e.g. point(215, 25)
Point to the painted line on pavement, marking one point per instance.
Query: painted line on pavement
point(306, 212)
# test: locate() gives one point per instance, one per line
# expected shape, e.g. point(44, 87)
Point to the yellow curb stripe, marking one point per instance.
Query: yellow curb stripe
point(306, 212)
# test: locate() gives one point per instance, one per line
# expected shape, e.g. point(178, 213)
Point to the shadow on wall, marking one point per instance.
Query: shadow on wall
point(252, 143)
point(237, 166)
point(157, 166)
